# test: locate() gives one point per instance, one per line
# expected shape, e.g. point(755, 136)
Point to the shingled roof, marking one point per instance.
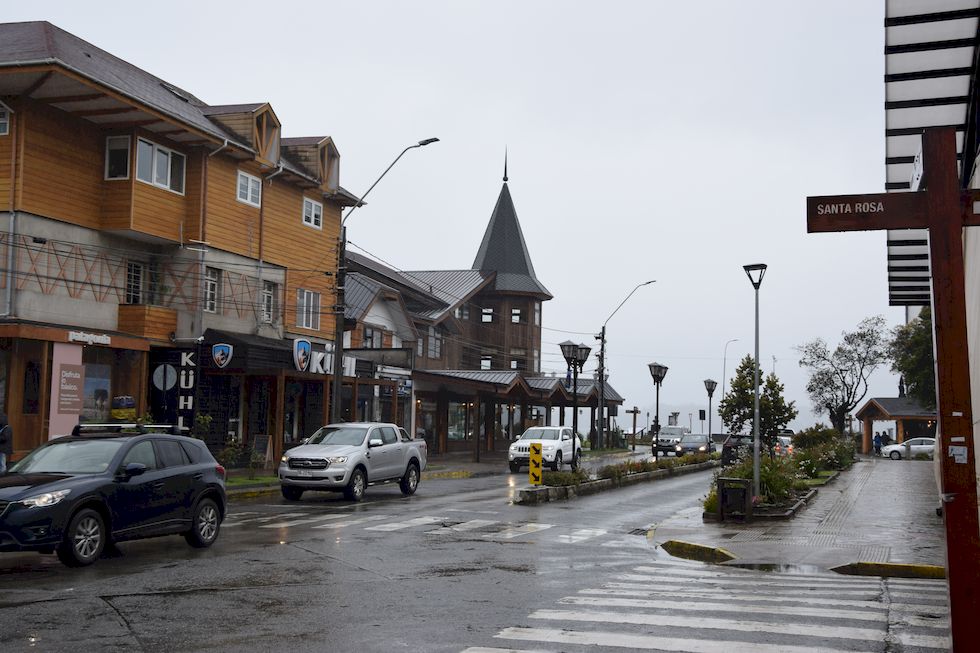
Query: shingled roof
point(504, 251)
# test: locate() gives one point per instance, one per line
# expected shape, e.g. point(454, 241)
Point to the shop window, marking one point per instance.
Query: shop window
point(212, 289)
point(32, 388)
point(117, 157)
point(134, 283)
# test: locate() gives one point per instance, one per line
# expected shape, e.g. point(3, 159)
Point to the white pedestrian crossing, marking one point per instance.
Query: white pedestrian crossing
point(581, 535)
point(350, 522)
point(689, 608)
point(401, 525)
point(518, 531)
point(470, 525)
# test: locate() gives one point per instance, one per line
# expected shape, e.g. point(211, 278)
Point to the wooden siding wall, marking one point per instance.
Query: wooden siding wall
point(6, 152)
point(500, 336)
point(231, 225)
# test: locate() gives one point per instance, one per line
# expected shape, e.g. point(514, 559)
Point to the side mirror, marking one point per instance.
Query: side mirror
point(566, 437)
point(375, 442)
point(133, 469)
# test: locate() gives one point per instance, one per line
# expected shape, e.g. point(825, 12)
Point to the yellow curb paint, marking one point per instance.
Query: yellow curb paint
point(891, 570)
point(700, 552)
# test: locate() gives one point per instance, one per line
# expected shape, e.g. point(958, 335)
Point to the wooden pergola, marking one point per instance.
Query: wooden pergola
point(911, 419)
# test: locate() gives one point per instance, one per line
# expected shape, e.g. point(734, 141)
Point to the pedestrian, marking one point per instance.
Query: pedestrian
point(877, 444)
point(6, 442)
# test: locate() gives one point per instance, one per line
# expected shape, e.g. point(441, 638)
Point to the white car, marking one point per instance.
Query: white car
point(917, 445)
point(558, 446)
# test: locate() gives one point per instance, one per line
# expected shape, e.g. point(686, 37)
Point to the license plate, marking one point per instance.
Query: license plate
point(304, 472)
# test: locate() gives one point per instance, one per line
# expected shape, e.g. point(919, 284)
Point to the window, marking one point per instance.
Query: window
point(308, 309)
point(421, 347)
point(268, 301)
point(515, 315)
point(487, 315)
point(518, 359)
point(249, 189)
point(535, 361)
point(117, 157)
point(372, 337)
point(212, 288)
point(134, 283)
point(312, 213)
point(159, 166)
point(142, 453)
point(537, 313)
point(4, 120)
point(171, 455)
point(435, 343)
point(485, 362)
point(463, 312)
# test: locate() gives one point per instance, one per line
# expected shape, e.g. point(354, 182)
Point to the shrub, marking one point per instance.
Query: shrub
point(778, 476)
point(202, 426)
point(710, 502)
point(231, 454)
point(564, 479)
point(816, 435)
point(615, 472)
point(828, 456)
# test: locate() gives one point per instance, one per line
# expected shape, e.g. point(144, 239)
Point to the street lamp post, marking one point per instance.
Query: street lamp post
point(710, 385)
point(602, 362)
point(575, 355)
point(337, 414)
point(724, 372)
point(755, 273)
point(658, 372)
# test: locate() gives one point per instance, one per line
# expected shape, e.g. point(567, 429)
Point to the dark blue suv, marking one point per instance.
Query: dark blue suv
point(76, 494)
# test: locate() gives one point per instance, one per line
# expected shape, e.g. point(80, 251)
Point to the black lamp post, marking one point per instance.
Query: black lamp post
point(575, 355)
point(709, 385)
point(658, 372)
point(755, 273)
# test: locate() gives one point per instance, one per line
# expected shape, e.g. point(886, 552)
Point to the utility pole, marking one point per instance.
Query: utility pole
point(634, 413)
point(601, 431)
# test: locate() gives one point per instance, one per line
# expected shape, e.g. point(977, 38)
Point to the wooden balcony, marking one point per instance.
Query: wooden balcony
point(153, 322)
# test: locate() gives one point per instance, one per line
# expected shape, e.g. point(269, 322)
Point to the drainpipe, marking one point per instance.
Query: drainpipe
point(223, 146)
point(12, 224)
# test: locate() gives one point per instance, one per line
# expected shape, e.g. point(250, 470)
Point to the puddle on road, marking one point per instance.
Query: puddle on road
point(778, 568)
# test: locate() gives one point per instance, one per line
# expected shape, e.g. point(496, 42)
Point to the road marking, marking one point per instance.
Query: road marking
point(351, 522)
point(465, 526)
point(701, 607)
point(253, 520)
point(581, 535)
point(517, 531)
point(739, 582)
point(298, 522)
point(774, 625)
point(733, 575)
point(649, 642)
point(735, 596)
point(397, 526)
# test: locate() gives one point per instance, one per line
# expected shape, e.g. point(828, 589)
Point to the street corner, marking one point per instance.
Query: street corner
point(891, 570)
point(698, 552)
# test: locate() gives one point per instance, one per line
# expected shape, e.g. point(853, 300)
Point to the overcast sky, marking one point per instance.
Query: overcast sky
point(674, 141)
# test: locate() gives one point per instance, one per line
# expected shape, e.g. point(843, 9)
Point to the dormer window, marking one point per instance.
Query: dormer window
point(267, 136)
point(329, 166)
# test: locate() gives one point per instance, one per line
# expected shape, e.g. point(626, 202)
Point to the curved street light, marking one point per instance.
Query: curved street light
point(658, 372)
point(575, 355)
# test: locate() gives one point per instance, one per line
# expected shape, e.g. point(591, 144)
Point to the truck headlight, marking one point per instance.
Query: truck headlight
point(677, 448)
point(284, 459)
point(336, 460)
point(46, 499)
point(702, 448)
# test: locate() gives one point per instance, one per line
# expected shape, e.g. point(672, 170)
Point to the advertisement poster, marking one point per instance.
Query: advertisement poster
point(95, 407)
point(71, 384)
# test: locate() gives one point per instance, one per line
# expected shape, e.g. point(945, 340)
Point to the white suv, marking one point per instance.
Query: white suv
point(558, 446)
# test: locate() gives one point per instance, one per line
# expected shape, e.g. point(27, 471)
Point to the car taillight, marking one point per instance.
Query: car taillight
point(221, 470)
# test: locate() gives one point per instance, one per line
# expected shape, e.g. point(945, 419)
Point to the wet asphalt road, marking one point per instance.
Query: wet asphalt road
point(443, 570)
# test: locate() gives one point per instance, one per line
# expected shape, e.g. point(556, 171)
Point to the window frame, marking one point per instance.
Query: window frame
point(306, 316)
point(315, 221)
point(248, 189)
point(160, 149)
point(435, 343)
point(486, 316)
point(212, 289)
point(516, 316)
point(129, 153)
point(486, 362)
point(5, 114)
point(131, 267)
point(267, 303)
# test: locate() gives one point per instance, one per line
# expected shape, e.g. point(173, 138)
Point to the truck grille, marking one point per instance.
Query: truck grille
point(307, 463)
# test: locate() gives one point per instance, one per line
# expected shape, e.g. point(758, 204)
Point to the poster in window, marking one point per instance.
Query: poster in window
point(95, 407)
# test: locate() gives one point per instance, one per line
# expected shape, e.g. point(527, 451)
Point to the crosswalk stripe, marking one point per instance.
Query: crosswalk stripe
point(936, 610)
point(654, 581)
point(650, 642)
point(253, 520)
point(774, 624)
point(581, 535)
point(923, 641)
point(485, 649)
point(729, 573)
point(351, 522)
point(299, 522)
point(397, 526)
point(465, 526)
point(735, 596)
point(517, 531)
point(801, 611)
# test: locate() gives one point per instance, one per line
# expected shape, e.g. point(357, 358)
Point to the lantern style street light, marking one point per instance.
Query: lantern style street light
point(709, 385)
point(755, 273)
point(575, 355)
point(658, 372)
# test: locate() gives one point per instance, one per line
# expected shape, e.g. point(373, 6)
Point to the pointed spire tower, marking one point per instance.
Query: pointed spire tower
point(504, 251)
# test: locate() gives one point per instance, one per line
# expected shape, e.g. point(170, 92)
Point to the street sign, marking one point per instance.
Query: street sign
point(944, 210)
point(534, 472)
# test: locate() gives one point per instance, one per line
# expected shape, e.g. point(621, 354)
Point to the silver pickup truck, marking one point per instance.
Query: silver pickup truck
point(349, 457)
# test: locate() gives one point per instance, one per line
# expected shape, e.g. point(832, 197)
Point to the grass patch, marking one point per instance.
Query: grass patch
point(592, 453)
point(236, 480)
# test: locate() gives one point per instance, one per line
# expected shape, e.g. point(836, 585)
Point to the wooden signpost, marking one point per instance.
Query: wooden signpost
point(944, 210)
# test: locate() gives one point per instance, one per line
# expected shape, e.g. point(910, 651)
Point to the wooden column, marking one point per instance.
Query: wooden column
point(866, 441)
point(900, 431)
point(278, 404)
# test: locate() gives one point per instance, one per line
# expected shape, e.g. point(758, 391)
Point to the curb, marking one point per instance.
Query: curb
point(699, 552)
point(536, 495)
point(891, 570)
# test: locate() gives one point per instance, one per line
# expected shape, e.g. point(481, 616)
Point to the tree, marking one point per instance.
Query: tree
point(839, 379)
point(912, 357)
point(737, 407)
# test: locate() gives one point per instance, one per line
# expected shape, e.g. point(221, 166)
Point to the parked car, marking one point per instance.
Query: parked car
point(918, 446)
point(694, 443)
point(558, 446)
point(348, 457)
point(784, 445)
point(668, 438)
point(74, 495)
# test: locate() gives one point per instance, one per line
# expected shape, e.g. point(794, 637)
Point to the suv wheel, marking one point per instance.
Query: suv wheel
point(291, 493)
point(205, 525)
point(557, 465)
point(410, 481)
point(84, 539)
point(575, 460)
point(355, 486)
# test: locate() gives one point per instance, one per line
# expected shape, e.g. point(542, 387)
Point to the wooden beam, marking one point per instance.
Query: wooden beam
point(63, 99)
point(38, 84)
point(131, 123)
point(102, 112)
point(832, 213)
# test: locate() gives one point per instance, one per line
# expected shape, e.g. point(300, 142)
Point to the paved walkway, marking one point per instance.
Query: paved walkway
point(878, 511)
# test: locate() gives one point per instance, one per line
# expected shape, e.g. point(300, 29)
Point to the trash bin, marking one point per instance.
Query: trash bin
point(734, 498)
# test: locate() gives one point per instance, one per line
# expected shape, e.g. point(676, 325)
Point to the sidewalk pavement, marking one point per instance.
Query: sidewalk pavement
point(879, 511)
